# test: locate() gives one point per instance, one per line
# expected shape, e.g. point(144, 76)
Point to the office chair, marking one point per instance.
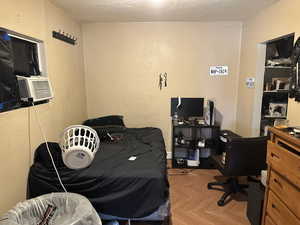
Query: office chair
point(244, 157)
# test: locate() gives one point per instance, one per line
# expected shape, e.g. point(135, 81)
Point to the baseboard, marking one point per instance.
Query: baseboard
point(169, 155)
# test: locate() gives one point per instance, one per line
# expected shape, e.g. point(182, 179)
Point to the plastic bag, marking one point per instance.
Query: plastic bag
point(53, 209)
point(9, 94)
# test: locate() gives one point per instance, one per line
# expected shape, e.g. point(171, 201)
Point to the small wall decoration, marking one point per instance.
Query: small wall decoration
point(250, 82)
point(163, 79)
point(218, 71)
point(64, 37)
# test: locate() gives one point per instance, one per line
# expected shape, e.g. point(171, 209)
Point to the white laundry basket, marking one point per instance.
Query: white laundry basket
point(53, 209)
point(79, 145)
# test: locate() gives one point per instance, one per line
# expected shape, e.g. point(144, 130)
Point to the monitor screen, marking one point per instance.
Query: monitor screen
point(190, 107)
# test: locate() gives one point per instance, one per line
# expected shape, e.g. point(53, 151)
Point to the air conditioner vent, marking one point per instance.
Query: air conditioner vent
point(41, 89)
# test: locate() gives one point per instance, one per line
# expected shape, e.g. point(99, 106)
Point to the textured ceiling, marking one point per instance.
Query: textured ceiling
point(162, 10)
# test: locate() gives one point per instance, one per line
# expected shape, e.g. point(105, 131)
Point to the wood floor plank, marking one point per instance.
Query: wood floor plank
point(193, 204)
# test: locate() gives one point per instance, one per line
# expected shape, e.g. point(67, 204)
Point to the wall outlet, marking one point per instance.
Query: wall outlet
point(19, 18)
point(169, 155)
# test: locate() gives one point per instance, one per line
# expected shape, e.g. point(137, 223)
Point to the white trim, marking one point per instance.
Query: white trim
point(24, 39)
point(259, 89)
point(169, 155)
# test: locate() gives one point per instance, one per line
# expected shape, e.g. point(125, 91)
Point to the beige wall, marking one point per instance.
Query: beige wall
point(19, 134)
point(123, 61)
point(279, 19)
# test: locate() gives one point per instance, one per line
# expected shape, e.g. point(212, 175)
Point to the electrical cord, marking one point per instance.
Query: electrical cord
point(180, 172)
point(48, 149)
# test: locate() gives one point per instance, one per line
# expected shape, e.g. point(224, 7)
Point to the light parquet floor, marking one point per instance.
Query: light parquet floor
point(193, 204)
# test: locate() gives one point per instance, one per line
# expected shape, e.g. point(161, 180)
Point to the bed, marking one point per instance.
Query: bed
point(117, 187)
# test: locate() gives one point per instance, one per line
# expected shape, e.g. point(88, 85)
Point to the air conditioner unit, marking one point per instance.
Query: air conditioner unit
point(35, 88)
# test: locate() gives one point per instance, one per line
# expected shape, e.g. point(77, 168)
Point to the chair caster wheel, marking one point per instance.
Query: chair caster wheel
point(209, 186)
point(221, 203)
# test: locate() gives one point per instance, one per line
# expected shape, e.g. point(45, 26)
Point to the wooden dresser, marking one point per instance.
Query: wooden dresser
point(282, 198)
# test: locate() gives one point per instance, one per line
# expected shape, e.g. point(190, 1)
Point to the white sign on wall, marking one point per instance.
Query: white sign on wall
point(218, 70)
point(250, 82)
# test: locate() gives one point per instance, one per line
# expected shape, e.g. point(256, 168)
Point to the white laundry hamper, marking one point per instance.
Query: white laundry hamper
point(79, 145)
point(53, 209)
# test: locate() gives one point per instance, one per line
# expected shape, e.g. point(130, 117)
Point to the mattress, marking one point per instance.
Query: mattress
point(114, 184)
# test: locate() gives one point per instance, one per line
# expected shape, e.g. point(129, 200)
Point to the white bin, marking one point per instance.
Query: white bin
point(69, 209)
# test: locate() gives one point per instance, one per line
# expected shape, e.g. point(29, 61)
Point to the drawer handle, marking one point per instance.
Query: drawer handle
point(274, 155)
point(277, 182)
point(274, 207)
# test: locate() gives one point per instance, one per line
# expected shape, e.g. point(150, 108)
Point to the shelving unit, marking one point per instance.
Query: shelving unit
point(276, 82)
point(189, 139)
point(277, 67)
point(277, 91)
point(274, 117)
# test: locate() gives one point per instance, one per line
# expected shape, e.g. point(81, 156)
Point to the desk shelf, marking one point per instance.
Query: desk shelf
point(185, 139)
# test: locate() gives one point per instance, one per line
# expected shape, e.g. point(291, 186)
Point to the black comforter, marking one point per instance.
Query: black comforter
point(113, 184)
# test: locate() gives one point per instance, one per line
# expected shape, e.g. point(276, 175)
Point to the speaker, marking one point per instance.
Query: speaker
point(210, 113)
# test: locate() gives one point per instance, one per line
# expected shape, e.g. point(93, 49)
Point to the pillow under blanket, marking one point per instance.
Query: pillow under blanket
point(107, 124)
point(111, 121)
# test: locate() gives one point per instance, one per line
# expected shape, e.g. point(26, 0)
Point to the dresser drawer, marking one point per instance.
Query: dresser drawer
point(285, 161)
point(287, 192)
point(279, 212)
point(269, 221)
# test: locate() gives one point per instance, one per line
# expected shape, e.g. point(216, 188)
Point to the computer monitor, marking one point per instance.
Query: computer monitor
point(189, 107)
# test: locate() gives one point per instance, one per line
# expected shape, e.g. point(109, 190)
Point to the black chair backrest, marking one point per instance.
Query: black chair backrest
point(245, 156)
